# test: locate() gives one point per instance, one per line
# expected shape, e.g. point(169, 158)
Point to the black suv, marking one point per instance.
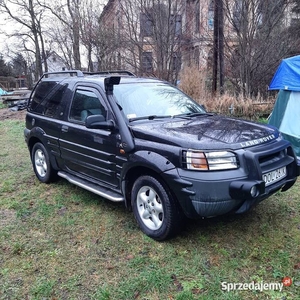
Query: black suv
point(145, 143)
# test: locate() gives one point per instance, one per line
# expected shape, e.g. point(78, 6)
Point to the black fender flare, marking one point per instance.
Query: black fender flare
point(168, 172)
point(143, 159)
point(35, 135)
point(147, 159)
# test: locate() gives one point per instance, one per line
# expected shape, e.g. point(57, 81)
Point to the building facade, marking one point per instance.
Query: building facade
point(161, 38)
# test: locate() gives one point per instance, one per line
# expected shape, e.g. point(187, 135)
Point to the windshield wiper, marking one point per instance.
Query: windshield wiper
point(196, 114)
point(151, 117)
point(183, 116)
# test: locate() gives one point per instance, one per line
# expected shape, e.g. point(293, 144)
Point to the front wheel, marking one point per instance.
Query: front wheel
point(154, 208)
point(41, 163)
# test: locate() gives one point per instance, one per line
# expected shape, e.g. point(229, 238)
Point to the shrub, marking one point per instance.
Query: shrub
point(193, 82)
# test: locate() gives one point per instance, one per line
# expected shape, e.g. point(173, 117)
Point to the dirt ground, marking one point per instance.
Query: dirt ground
point(6, 113)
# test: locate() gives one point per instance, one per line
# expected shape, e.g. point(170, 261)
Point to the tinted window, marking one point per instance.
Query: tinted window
point(38, 101)
point(86, 103)
point(47, 99)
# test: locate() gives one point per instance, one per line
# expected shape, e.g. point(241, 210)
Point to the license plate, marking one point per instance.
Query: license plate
point(274, 176)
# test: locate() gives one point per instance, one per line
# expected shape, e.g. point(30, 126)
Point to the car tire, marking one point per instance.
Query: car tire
point(41, 164)
point(154, 208)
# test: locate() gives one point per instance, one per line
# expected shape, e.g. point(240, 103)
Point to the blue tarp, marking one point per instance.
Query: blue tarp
point(287, 76)
point(286, 112)
point(2, 92)
point(286, 117)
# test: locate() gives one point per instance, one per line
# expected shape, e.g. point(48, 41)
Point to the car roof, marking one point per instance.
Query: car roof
point(98, 77)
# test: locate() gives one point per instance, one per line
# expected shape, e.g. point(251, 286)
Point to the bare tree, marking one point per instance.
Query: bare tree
point(73, 9)
point(88, 28)
point(93, 37)
point(151, 36)
point(60, 40)
point(294, 26)
point(218, 47)
point(5, 68)
point(104, 45)
point(28, 15)
point(257, 43)
point(67, 13)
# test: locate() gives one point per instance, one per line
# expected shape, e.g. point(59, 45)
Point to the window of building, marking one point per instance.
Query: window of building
point(210, 17)
point(147, 61)
point(237, 14)
point(146, 24)
point(295, 22)
point(197, 56)
point(176, 22)
point(197, 16)
point(176, 63)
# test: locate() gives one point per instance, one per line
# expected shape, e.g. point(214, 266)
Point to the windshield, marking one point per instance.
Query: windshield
point(140, 100)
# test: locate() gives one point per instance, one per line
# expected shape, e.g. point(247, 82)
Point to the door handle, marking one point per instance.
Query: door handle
point(64, 128)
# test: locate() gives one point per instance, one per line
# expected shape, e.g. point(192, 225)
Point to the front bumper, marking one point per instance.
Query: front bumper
point(208, 194)
point(213, 198)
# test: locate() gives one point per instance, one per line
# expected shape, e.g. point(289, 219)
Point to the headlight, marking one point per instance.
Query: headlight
point(216, 160)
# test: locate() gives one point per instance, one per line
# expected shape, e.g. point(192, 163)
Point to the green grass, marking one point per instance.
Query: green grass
point(2, 105)
point(61, 242)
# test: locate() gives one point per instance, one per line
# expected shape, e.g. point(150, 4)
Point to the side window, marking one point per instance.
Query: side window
point(38, 102)
point(47, 99)
point(86, 103)
point(54, 109)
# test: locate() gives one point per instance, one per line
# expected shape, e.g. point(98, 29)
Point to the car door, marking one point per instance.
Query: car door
point(45, 112)
point(88, 153)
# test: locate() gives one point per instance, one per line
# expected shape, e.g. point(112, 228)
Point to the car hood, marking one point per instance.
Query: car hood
point(205, 132)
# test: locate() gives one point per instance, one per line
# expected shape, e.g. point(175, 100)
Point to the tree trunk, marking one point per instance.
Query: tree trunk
point(215, 48)
point(74, 13)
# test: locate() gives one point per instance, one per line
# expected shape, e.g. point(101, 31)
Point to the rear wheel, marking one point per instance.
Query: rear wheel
point(41, 163)
point(154, 208)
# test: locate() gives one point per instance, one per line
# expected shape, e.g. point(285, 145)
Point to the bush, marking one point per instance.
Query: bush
point(193, 82)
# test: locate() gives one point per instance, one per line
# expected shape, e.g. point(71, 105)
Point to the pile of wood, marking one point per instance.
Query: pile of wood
point(16, 100)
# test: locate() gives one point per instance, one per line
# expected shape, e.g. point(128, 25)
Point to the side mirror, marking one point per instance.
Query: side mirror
point(99, 122)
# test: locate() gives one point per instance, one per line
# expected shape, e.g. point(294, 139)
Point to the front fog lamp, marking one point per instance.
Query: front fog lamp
point(253, 191)
point(216, 160)
point(246, 190)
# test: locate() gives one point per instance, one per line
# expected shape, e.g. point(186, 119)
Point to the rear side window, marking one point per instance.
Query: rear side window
point(47, 99)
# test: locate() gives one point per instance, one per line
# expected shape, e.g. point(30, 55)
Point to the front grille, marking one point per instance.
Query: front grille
point(272, 158)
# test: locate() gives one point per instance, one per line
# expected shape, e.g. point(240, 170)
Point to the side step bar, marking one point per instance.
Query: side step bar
point(100, 191)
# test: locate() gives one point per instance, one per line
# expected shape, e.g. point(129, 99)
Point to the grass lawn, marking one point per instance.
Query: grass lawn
point(61, 242)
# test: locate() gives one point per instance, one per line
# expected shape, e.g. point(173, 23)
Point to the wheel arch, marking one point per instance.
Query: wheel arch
point(39, 139)
point(32, 141)
point(140, 163)
point(33, 136)
point(137, 171)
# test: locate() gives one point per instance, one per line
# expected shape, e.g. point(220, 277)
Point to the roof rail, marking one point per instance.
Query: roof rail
point(71, 73)
point(112, 72)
